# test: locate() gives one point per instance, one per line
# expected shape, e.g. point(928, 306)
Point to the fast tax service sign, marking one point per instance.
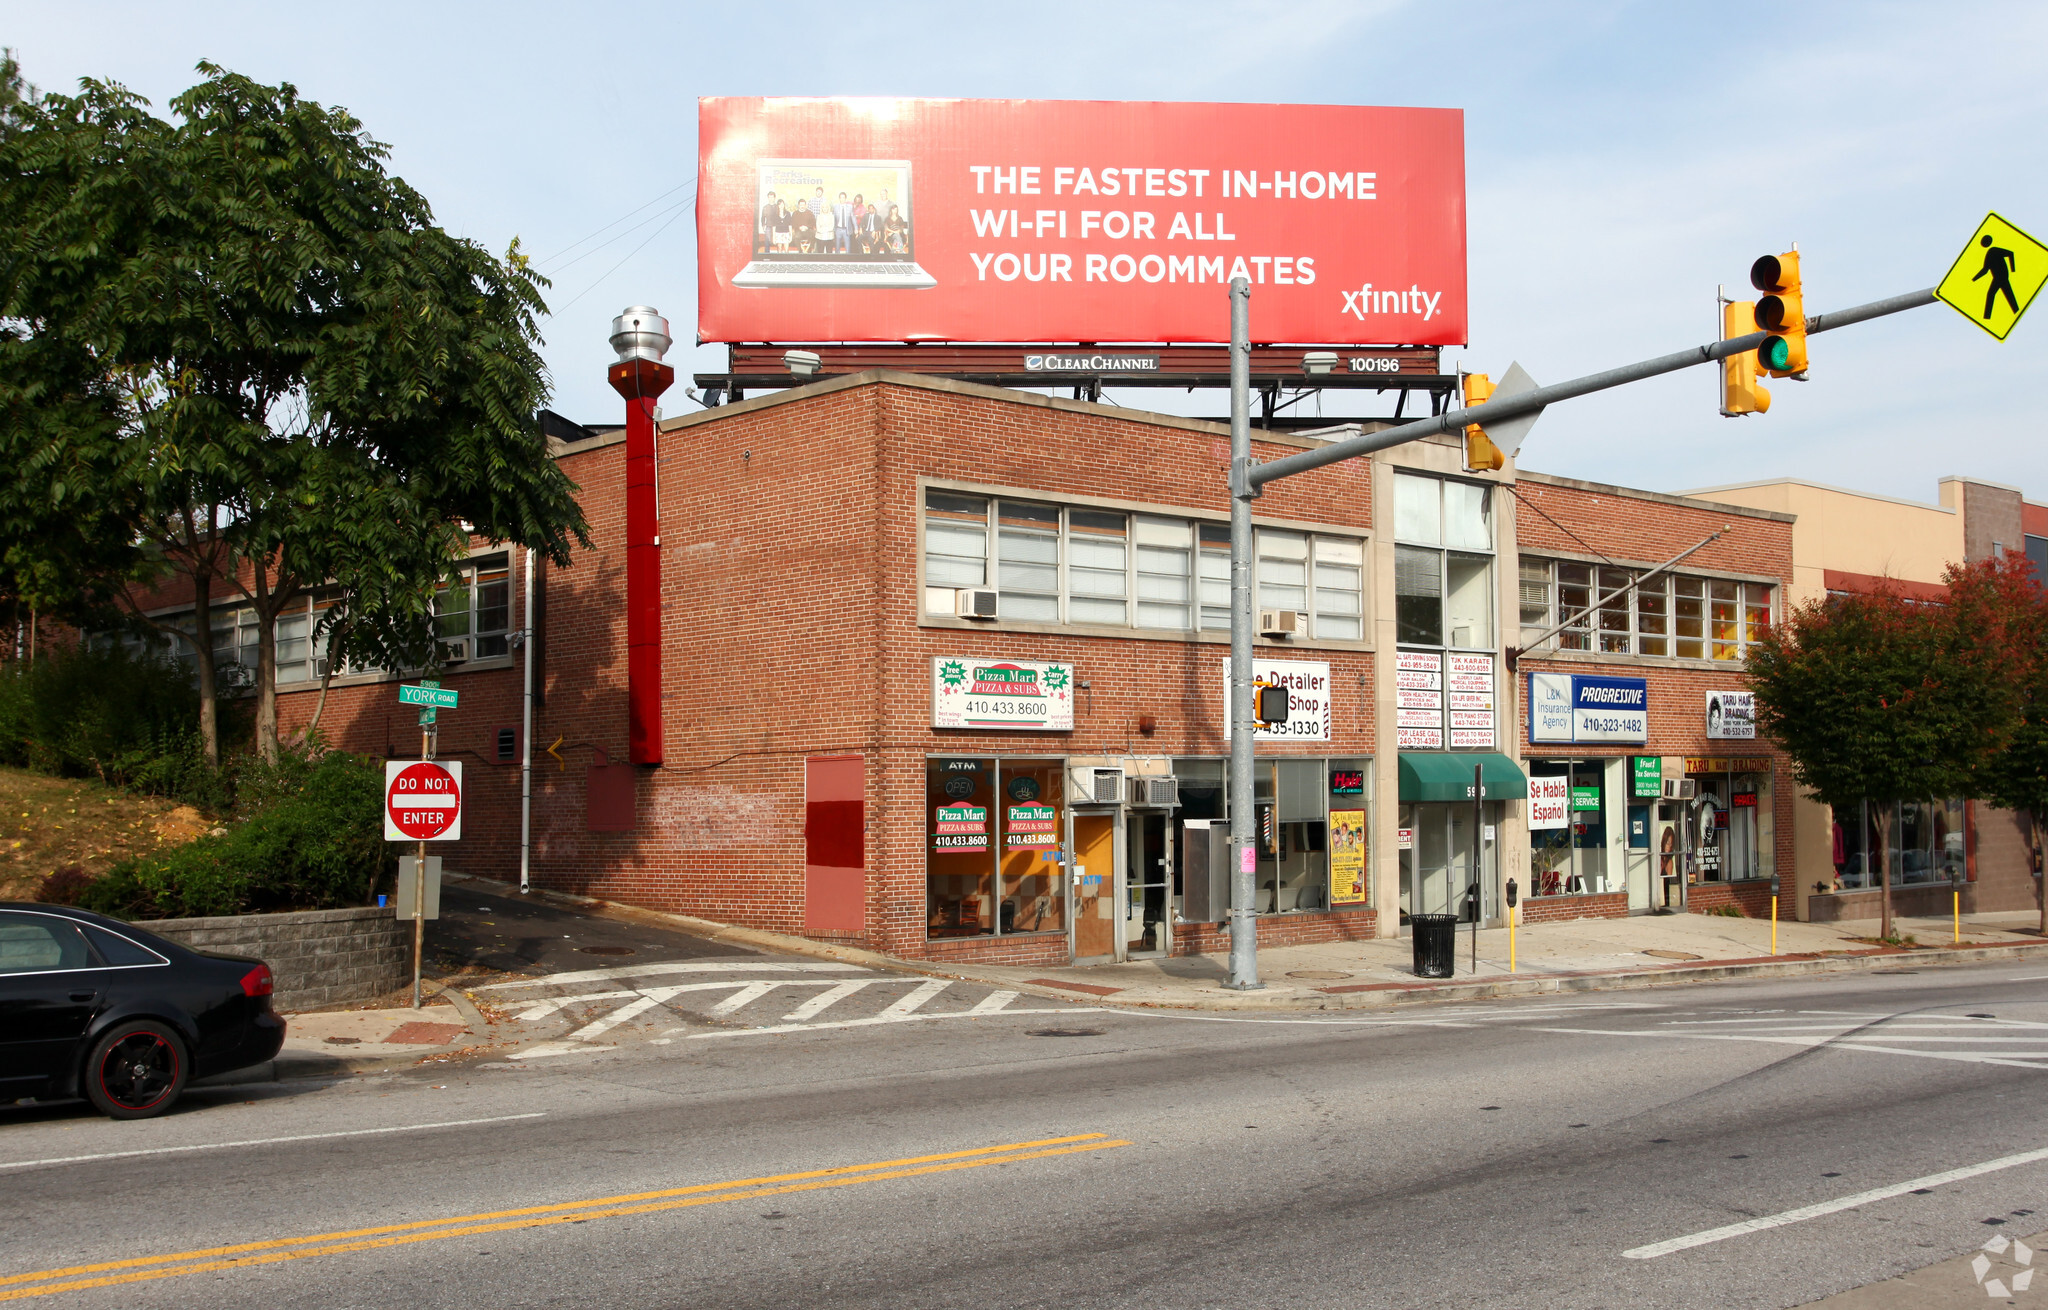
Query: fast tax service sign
point(422, 800)
point(842, 219)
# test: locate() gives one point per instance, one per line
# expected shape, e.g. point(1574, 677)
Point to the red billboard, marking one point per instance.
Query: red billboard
point(850, 219)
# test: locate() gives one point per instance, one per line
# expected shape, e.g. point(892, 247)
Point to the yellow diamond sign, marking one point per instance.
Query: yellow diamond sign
point(1996, 277)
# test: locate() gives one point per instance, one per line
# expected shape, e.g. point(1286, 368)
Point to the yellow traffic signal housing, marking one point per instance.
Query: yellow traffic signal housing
point(1782, 313)
point(1741, 393)
point(1480, 452)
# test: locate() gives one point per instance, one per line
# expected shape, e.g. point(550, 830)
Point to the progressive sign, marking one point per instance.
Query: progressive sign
point(848, 219)
point(1567, 708)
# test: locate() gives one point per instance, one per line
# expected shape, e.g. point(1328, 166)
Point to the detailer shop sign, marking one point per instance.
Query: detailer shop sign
point(848, 219)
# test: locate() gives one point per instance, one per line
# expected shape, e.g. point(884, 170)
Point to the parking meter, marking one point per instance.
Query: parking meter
point(1511, 893)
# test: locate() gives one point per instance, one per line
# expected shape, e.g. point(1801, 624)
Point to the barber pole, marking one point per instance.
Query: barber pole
point(640, 336)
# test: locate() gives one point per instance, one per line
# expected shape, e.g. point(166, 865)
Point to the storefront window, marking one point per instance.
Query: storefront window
point(1927, 844)
point(1312, 822)
point(982, 814)
point(1568, 854)
point(1731, 823)
point(960, 800)
point(1688, 617)
point(1033, 796)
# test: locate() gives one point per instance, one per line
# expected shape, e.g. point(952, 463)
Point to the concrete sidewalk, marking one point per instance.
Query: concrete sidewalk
point(1576, 955)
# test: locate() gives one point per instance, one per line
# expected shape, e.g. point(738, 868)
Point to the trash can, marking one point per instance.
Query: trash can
point(1436, 944)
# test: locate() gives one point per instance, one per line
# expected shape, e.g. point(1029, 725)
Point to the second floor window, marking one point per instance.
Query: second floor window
point(1106, 568)
point(1678, 615)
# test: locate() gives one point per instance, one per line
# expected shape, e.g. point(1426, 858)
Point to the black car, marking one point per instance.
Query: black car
point(94, 1007)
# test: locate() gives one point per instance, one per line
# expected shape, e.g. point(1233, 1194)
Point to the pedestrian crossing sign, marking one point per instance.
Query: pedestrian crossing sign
point(1996, 277)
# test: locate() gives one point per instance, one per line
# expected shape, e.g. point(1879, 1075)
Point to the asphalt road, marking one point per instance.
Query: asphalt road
point(1536, 1153)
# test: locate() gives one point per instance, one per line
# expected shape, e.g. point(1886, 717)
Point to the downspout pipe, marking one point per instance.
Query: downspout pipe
point(640, 336)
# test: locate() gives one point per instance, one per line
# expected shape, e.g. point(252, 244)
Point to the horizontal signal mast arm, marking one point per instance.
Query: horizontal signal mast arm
point(1530, 401)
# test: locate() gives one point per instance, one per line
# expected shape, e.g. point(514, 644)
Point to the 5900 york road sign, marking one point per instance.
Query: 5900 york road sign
point(422, 800)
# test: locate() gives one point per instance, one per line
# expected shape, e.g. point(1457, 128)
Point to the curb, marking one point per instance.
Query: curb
point(1368, 996)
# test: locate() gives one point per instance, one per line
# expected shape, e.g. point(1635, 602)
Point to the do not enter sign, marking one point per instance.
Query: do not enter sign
point(422, 800)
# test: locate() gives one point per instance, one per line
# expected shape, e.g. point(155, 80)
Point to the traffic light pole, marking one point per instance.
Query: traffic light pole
point(1248, 476)
point(1244, 828)
point(1528, 402)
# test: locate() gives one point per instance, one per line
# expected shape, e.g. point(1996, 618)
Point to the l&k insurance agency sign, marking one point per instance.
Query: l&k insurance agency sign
point(1574, 707)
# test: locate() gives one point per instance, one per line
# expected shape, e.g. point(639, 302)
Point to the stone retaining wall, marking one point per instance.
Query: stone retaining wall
point(320, 957)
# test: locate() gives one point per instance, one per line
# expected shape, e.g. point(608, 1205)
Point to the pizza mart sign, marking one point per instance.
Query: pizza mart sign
point(1002, 694)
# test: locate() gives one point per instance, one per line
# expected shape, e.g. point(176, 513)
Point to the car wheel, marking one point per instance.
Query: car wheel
point(135, 1070)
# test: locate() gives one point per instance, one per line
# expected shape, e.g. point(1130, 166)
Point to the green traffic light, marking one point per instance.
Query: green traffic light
point(1774, 354)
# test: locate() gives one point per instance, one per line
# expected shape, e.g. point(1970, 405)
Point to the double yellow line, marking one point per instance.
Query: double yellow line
point(77, 1278)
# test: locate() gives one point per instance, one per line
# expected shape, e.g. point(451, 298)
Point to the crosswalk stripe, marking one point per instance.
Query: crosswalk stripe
point(873, 1020)
point(746, 995)
point(675, 966)
point(993, 1002)
point(828, 998)
point(923, 992)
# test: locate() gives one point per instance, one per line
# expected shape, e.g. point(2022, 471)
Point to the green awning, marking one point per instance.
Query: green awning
point(1448, 777)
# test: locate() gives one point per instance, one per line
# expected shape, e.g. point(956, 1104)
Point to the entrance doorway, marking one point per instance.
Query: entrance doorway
point(1436, 861)
point(1148, 884)
point(1641, 882)
point(1096, 922)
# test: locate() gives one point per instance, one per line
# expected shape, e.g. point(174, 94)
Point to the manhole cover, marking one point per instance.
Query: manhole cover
point(1674, 955)
point(1320, 974)
point(1065, 1032)
point(605, 950)
point(346, 1041)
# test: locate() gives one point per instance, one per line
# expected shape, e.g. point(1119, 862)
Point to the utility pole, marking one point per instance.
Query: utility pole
point(1244, 828)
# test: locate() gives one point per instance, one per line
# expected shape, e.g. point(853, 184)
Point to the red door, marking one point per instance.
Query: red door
point(835, 846)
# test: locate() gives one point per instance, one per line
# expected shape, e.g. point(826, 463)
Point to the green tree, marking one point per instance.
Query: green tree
point(2002, 600)
point(1878, 698)
point(314, 386)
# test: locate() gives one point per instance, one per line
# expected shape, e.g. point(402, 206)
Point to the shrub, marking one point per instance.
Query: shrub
point(310, 837)
point(64, 886)
point(128, 719)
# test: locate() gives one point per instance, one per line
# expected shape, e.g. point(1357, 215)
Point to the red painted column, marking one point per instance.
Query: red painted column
point(641, 382)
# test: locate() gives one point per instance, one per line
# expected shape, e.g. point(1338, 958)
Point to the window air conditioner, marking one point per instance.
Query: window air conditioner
point(1095, 786)
point(1679, 789)
point(1155, 793)
point(974, 603)
point(455, 652)
point(320, 668)
point(1279, 623)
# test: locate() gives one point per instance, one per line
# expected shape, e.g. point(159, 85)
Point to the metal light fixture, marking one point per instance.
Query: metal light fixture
point(640, 332)
point(803, 363)
point(1319, 363)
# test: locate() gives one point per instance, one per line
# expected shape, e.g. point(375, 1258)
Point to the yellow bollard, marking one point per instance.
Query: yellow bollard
point(1958, 895)
point(1511, 939)
point(1774, 925)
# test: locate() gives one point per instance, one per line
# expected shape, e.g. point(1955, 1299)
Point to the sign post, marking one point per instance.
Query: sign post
point(422, 803)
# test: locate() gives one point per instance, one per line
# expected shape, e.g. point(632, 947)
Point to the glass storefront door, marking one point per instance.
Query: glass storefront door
point(1148, 884)
point(1436, 861)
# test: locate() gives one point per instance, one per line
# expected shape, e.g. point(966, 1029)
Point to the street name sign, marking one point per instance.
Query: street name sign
point(422, 800)
point(438, 697)
point(1996, 277)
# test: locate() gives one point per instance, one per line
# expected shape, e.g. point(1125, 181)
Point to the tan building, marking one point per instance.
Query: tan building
point(1845, 542)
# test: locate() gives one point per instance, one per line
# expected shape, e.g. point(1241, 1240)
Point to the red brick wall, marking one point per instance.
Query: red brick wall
point(1557, 909)
point(1305, 929)
point(1753, 898)
point(1645, 531)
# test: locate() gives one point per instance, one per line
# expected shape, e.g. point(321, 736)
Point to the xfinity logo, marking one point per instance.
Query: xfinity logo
point(1091, 363)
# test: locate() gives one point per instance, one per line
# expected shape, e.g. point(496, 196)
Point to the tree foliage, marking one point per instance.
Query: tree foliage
point(249, 356)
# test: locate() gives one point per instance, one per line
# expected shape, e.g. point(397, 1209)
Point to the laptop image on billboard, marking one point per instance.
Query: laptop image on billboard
point(833, 223)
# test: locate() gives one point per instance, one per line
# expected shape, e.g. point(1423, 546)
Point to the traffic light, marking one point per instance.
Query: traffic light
point(1740, 392)
point(1480, 452)
point(1269, 704)
point(1782, 313)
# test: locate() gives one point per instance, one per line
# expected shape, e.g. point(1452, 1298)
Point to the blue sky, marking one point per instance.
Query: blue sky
point(1622, 160)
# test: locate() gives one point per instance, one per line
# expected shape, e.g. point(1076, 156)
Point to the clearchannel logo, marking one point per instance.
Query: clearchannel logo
point(1091, 363)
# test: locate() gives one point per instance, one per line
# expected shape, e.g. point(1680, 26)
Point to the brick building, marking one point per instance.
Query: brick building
point(856, 750)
